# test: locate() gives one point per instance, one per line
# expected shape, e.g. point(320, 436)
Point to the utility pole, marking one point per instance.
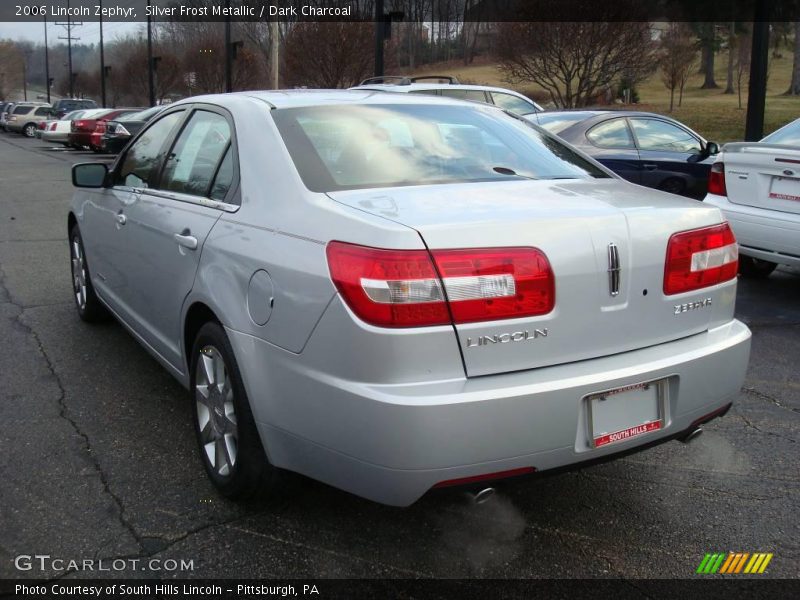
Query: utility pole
point(228, 49)
point(150, 74)
point(46, 61)
point(759, 60)
point(68, 26)
point(274, 59)
point(102, 61)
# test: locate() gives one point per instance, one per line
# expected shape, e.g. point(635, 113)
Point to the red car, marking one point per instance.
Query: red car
point(88, 133)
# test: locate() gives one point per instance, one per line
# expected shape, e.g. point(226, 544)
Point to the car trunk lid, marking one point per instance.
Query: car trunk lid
point(575, 223)
point(763, 175)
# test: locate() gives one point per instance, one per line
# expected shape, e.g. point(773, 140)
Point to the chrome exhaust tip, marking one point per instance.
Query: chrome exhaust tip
point(483, 495)
point(693, 435)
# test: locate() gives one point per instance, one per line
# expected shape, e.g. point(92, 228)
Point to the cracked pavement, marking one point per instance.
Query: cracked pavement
point(99, 461)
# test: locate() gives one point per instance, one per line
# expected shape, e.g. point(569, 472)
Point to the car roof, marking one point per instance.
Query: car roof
point(306, 98)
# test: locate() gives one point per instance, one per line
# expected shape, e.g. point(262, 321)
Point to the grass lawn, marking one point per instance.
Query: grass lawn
point(714, 115)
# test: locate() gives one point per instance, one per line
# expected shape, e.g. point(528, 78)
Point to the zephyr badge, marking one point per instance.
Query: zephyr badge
point(613, 269)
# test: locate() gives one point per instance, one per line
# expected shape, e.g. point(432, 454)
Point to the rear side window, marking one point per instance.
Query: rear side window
point(139, 167)
point(513, 104)
point(196, 155)
point(611, 134)
point(224, 179)
point(474, 95)
point(22, 110)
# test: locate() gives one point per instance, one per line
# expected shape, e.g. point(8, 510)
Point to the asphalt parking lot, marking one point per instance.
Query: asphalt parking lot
point(97, 455)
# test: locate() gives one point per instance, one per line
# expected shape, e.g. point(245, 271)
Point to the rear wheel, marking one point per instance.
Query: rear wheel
point(228, 439)
point(673, 186)
point(755, 268)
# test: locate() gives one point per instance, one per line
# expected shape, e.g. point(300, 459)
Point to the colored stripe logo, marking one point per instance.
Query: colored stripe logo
point(734, 563)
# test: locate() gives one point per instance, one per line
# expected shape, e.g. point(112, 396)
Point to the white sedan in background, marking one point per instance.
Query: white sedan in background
point(757, 186)
point(58, 131)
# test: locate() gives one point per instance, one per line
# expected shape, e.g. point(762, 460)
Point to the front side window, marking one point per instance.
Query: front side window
point(43, 111)
point(140, 165)
point(654, 134)
point(611, 134)
point(193, 161)
point(368, 146)
point(513, 104)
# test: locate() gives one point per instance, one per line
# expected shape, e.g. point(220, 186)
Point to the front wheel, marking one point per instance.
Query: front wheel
point(29, 130)
point(755, 268)
point(90, 309)
point(229, 443)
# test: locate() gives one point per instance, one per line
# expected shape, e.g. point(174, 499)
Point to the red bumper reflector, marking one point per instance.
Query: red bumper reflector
point(486, 477)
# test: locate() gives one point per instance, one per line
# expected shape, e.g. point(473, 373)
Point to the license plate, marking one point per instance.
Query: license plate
point(625, 413)
point(785, 188)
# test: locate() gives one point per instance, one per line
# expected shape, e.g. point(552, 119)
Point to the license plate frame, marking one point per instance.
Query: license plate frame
point(640, 397)
point(782, 194)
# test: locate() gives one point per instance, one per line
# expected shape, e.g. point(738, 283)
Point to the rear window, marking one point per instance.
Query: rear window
point(558, 122)
point(788, 135)
point(75, 104)
point(356, 147)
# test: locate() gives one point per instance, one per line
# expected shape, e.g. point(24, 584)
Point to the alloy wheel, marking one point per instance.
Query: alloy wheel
point(78, 273)
point(216, 417)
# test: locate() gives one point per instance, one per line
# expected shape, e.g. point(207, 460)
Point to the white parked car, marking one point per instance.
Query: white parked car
point(757, 186)
point(57, 131)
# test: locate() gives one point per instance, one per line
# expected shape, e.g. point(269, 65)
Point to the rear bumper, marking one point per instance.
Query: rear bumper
point(392, 443)
point(55, 136)
point(765, 234)
point(80, 139)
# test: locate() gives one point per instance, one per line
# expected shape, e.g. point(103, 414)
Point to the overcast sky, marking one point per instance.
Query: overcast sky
point(89, 32)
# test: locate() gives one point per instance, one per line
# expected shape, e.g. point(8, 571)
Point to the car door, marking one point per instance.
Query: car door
point(106, 234)
point(671, 156)
point(611, 143)
point(168, 224)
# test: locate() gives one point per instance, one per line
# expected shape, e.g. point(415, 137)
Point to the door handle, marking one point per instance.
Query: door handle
point(186, 240)
point(121, 219)
point(650, 166)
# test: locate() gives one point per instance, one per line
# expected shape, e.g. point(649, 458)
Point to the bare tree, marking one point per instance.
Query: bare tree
point(742, 64)
point(328, 54)
point(575, 62)
point(10, 69)
point(676, 57)
point(794, 86)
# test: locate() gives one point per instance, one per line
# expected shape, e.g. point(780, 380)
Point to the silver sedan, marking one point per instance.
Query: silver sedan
point(395, 293)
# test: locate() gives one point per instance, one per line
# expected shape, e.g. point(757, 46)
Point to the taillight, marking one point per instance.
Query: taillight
point(700, 258)
point(716, 180)
point(100, 127)
point(403, 288)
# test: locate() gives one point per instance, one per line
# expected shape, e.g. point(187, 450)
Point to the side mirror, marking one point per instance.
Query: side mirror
point(89, 175)
point(712, 148)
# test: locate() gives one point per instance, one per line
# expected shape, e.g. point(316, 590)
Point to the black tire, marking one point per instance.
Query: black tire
point(29, 130)
point(250, 473)
point(90, 309)
point(754, 268)
point(673, 185)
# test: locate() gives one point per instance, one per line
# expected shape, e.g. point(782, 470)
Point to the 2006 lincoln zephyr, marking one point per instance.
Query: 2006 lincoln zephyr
point(391, 294)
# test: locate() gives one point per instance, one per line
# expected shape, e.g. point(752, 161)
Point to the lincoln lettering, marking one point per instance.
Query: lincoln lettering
point(505, 338)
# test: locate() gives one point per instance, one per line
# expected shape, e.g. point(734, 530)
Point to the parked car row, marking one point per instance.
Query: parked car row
point(83, 127)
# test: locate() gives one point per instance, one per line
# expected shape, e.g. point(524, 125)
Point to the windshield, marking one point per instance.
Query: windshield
point(356, 147)
point(788, 135)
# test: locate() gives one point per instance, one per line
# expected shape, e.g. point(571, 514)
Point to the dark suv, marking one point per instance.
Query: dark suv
point(65, 105)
